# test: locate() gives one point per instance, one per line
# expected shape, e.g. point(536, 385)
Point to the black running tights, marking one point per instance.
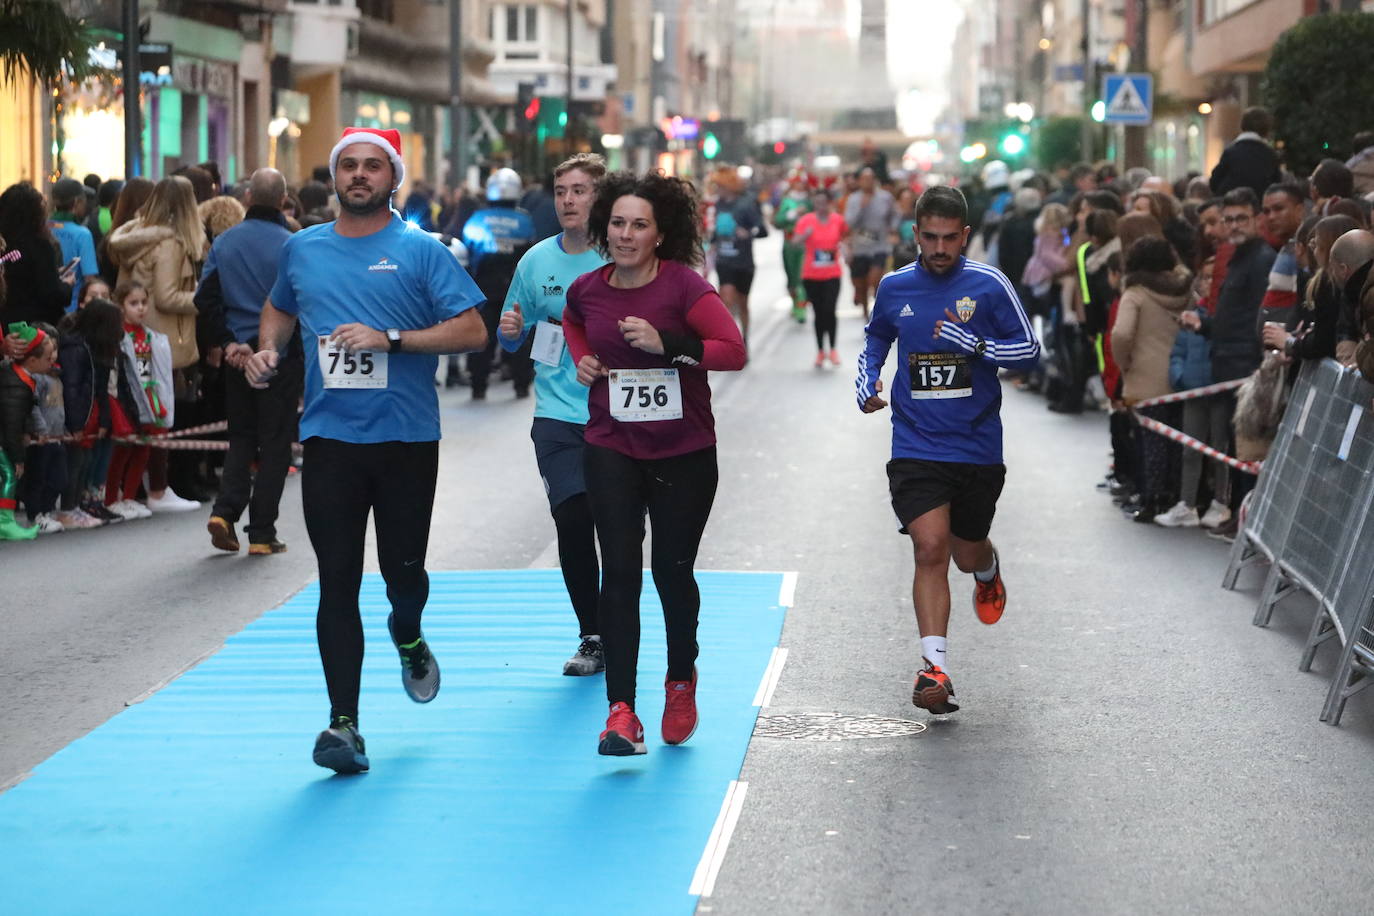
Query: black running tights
point(677, 492)
point(823, 294)
point(577, 558)
point(340, 483)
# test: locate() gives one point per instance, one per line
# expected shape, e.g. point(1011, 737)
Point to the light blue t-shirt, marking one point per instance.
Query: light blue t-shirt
point(76, 242)
point(541, 287)
point(400, 277)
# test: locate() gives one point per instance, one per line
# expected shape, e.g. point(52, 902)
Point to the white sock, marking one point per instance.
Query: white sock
point(933, 648)
point(987, 575)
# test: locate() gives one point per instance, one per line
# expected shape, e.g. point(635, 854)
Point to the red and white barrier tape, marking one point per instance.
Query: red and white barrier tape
point(1203, 392)
point(1249, 467)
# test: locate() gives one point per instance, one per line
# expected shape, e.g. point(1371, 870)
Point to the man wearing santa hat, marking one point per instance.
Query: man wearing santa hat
point(377, 301)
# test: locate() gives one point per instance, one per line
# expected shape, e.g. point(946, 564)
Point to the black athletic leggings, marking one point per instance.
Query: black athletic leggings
point(677, 492)
point(340, 483)
point(823, 294)
point(577, 558)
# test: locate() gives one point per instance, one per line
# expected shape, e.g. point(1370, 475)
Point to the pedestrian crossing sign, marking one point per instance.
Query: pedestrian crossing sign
point(1129, 98)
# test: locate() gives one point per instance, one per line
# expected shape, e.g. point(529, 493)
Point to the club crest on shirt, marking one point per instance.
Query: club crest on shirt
point(965, 307)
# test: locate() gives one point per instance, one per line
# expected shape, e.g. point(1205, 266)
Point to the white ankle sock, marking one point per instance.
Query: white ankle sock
point(987, 575)
point(933, 648)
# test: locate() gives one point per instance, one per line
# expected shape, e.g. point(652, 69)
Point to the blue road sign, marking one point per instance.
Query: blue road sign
point(1129, 98)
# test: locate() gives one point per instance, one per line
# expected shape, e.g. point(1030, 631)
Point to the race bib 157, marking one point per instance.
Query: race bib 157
point(936, 376)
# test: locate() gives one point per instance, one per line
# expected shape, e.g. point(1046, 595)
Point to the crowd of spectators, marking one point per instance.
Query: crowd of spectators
point(1141, 287)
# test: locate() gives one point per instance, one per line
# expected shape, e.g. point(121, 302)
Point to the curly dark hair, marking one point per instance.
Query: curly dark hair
point(1150, 254)
point(23, 215)
point(675, 211)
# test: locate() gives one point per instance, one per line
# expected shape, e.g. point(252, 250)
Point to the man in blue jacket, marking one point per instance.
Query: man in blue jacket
point(955, 323)
point(238, 275)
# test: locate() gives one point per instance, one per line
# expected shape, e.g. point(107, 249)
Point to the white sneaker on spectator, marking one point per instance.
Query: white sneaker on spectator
point(1217, 514)
point(126, 509)
point(171, 502)
point(1181, 515)
point(46, 524)
point(77, 519)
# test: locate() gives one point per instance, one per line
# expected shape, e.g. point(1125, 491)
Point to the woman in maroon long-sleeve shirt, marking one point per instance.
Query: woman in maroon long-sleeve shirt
point(643, 331)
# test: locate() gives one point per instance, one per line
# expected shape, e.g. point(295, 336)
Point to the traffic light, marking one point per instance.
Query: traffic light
point(1013, 144)
point(526, 102)
point(780, 147)
point(710, 146)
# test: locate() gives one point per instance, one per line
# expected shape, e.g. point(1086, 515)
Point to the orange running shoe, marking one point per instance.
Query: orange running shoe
point(934, 691)
point(990, 598)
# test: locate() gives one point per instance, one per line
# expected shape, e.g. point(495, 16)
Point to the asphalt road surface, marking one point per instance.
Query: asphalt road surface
point(1128, 741)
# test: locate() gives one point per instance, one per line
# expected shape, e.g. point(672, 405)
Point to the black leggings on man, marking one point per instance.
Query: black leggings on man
point(823, 295)
point(677, 493)
point(341, 482)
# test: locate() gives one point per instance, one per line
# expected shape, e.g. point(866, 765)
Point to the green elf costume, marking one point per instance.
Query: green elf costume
point(17, 396)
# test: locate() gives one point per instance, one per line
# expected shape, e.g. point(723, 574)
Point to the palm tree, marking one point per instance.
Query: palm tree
point(38, 37)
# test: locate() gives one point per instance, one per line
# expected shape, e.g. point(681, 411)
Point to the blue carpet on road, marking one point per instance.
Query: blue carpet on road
point(492, 799)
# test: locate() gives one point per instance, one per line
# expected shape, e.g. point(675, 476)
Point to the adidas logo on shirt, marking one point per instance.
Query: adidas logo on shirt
point(906, 312)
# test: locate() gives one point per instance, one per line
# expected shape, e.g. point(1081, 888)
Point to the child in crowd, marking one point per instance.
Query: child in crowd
point(144, 387)
point(16, 404)
point(1205, 419)
point(92, 286)
point(89, 353)
point(45, 462)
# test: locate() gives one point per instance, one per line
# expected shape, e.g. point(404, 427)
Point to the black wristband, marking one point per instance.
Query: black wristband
point(682, 349)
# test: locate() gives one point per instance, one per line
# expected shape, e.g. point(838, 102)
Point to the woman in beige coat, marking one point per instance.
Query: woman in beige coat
point(163, 249)
point(1156, 291)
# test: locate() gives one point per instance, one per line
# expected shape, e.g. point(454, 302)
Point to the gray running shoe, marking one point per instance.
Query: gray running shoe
point(589, 658)
point(419, 669)
point(340, 748)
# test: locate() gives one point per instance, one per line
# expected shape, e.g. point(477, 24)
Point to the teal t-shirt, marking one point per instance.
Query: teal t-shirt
point(541, 287)
point(400, 277)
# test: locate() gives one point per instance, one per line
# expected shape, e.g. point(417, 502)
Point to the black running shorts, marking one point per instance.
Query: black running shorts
point(559, 449)
point(970, 491)
point(741, 279)
point(861, 265)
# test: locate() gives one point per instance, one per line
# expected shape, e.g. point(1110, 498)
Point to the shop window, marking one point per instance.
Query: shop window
point(377, 9)
point(1213, 10)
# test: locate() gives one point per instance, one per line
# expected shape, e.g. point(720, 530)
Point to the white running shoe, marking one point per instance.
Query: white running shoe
point(1181, 515)
point(77, 519)
point(171, 502)
point(1217, 514)
point(46, 524)
point(123, 510)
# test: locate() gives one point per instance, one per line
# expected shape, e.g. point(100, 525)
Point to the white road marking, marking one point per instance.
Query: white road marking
point(713, 857)
point(771, 675)
point(787, 593)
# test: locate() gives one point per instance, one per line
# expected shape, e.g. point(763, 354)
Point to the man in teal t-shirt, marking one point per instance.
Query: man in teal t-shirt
point(377, 300)
point(535, 305)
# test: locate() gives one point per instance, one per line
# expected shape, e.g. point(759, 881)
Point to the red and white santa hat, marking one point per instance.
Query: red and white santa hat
point(389, 141)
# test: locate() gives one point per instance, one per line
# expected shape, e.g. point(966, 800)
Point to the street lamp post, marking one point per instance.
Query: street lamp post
point(133, 127)
point(568, 105)
point(458, 118)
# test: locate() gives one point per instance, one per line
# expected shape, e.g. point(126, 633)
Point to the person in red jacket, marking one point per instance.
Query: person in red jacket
point(643, 331)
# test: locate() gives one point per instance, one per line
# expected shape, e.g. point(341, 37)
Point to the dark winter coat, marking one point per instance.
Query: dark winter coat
point(16, 403)
point(34, 293)
point(1249, 162)
point(80, 384)
point(1233, 328)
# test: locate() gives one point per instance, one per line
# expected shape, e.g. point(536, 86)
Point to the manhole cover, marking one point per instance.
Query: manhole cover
point(834, 727)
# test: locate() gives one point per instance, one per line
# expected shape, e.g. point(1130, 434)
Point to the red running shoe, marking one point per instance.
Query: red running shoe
point(990, 598)
point(679, 709)
point(624, 735)
point(934, 691)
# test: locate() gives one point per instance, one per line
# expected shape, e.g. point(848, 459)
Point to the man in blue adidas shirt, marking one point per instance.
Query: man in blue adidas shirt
point(534, 305)
point(954, 321)
point(376, 300)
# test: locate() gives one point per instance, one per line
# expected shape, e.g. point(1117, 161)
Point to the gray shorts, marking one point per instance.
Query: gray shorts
point(558, 447)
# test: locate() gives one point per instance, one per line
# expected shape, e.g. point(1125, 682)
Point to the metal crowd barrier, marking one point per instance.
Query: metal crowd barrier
point(1310, 517)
